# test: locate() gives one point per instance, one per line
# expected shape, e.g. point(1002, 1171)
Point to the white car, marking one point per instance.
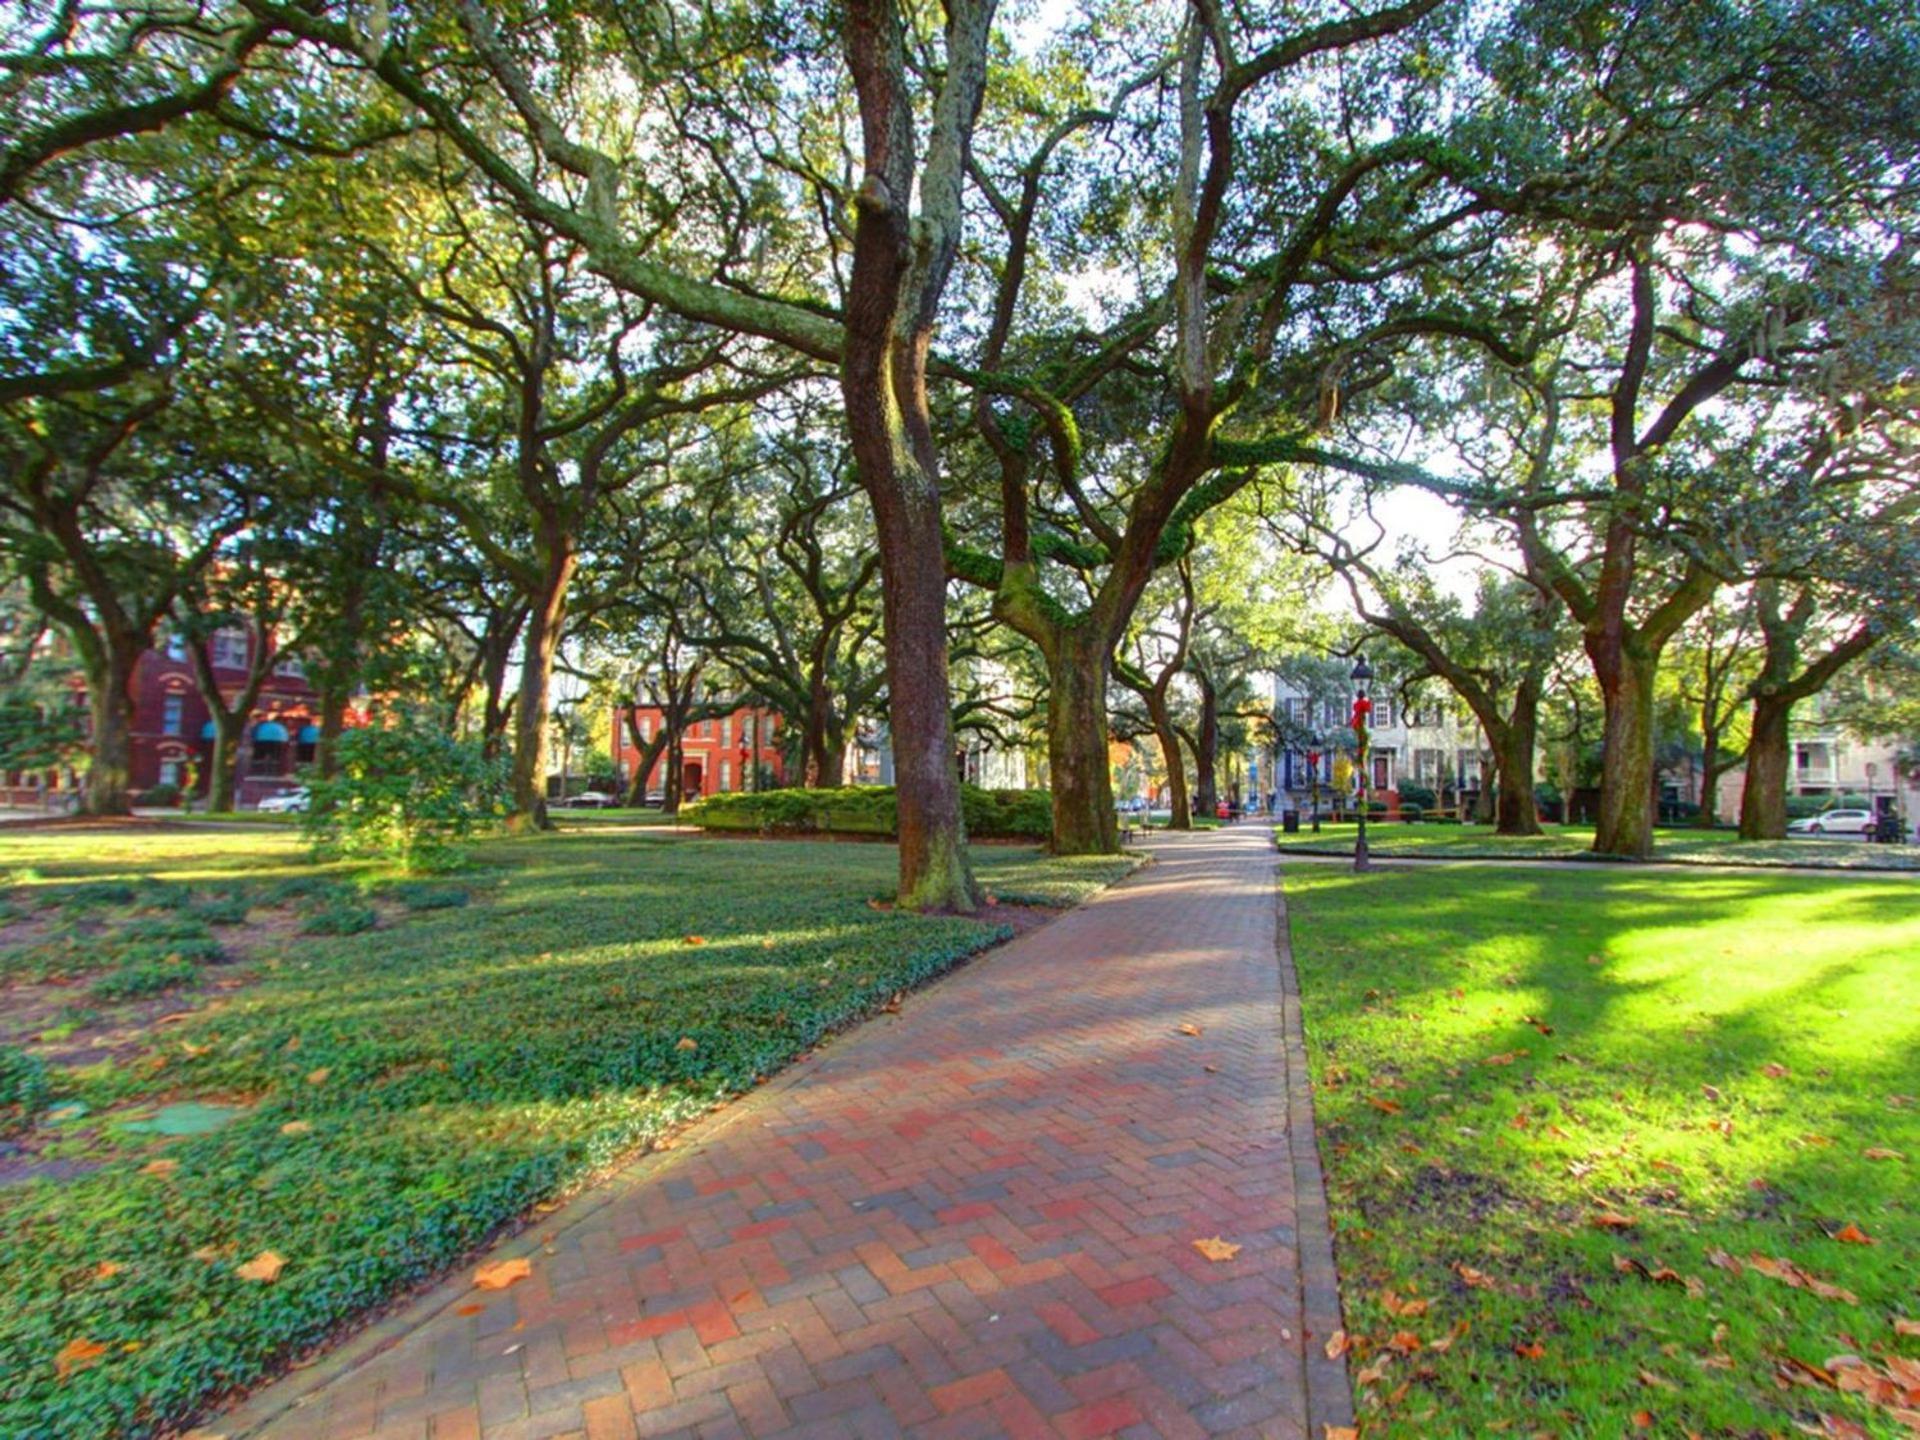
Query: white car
point(1856, 823)
point(287, 802)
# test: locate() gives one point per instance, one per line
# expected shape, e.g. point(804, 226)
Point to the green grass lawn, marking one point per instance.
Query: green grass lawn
point(1560, 842)
point(381, 1100)
point(1560, 1109)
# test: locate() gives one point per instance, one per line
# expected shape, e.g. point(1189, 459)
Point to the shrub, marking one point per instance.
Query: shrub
point(1411, 814)
point(405, 794)
point(1420, 797)
point(160, 795)
point(1376, 808)
point(340, 919)
point(416, 896)
point(23, 1088)
point(223, 909)
point(144, 977)
point(868, 810)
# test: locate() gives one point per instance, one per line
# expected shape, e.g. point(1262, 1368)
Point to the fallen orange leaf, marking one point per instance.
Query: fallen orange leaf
point(687, 1042)
point(1611, 1220)
point(160, 1167)
point(1643, 1419)
point(1879, 1153)
point(77, 1355)
point(1404, 1342)
point(264, 1268)
point(1505, 1058)
point(502, 1273)
point(696, 940)
point(1189, 1029)
point(470, 1309)
point(1341, 1432)
point(1904, 1326)
point(319, 1077)
point(1337, 1344)
point(1851, 1234)
point(1532, 1350)
point(297, 1127)
point(1385, 1107)
point(107, 1269)
point(1216, 1249)
point(1476, 1279)
point(1774, 1070)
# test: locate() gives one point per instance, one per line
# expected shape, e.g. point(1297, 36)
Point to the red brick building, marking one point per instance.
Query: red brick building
point(173, 731)
point(715, 755)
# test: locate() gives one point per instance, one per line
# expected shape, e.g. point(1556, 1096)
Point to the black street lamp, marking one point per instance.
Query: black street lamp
point(1362, 713)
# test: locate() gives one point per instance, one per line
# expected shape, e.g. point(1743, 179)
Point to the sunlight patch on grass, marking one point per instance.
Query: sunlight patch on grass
point(1510, 1062)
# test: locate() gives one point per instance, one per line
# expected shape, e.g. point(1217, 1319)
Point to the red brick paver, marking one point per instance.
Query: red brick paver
point(972, 1218)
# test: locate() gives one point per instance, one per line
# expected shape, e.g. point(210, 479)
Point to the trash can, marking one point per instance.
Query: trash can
point(1290, 821)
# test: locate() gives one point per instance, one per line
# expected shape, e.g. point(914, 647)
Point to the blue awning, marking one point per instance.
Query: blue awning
point(269, 732)
point(208, 731)
point(309, 734)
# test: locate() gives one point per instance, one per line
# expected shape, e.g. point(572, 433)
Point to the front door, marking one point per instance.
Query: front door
point(690, 777)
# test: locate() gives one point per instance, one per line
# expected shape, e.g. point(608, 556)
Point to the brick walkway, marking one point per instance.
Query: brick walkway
point(973, 1218)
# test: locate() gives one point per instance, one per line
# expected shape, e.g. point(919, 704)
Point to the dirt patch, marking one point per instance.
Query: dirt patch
point(1435, 1190)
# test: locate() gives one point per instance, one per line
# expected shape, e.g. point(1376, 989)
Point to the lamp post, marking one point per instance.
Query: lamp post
point(1362, 712)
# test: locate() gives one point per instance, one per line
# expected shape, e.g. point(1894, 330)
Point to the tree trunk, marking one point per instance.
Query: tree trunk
point(1206, 797)
point(820, 764)
point(1625, 826)
point(1763, 798)
point(536, 677)
point(1180, 816)
point(901, 262)
point(934, 870)
point(333, 723)
point(109, 788)
point(1711, 768)
point(223, 768)
point(1515, 812)
point(1084, 822)
point(670, 789)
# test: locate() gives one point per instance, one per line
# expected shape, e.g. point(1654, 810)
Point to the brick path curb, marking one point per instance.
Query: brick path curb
point(1329, 1387)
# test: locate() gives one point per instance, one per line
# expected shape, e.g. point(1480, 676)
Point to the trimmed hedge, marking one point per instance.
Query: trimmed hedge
point(868, 810)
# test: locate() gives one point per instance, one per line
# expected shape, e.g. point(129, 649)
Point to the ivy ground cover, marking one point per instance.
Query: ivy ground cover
point(345, 1084)
point(1615, 1153)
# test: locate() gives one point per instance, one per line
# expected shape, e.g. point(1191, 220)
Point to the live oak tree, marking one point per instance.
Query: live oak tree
point(1263, 224)
point(537, 141)
point(1712, 665)
point(106, 519)
point(791, 606)
point(1159, 656)
point(1699, 259)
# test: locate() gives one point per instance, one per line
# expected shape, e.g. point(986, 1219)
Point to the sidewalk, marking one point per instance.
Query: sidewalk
point(972, 1218)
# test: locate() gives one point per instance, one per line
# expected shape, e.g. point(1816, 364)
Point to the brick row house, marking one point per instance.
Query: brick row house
point(173, 729)
point(740, 751)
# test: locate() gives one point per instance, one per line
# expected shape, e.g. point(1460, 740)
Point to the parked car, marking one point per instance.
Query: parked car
point(589, 799)
point(1856, 823)
point(287, 802)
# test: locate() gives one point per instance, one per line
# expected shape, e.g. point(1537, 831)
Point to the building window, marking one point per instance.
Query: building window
point(171, 715)
point(169, 772)
point(292, 667)
point(176, 646)
point(726, 774)
point(1383, 714)
point(229, 649)
point(726, 730)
